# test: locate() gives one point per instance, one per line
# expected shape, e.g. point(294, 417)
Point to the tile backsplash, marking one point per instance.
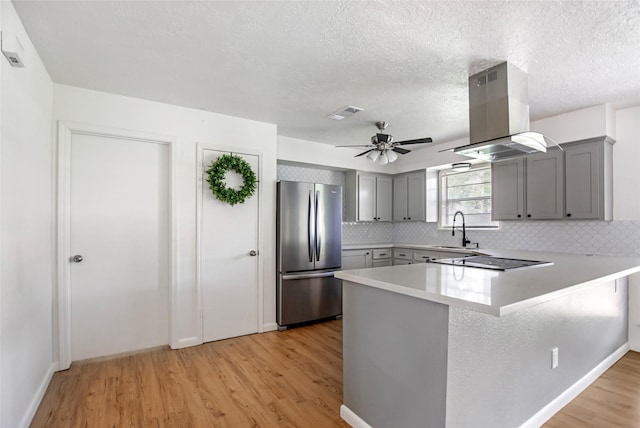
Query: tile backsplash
point(367, 232)
point(598, 237)
point(585, 237)
point(310, 175)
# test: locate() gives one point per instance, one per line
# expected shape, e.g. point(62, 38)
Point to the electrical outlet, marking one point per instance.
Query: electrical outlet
point(554, 358)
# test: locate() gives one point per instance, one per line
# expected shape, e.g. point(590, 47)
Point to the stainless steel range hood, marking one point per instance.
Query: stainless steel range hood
point(499, 116)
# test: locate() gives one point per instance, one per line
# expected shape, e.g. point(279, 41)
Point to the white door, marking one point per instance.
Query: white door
point(119, 225)
point(228, 271)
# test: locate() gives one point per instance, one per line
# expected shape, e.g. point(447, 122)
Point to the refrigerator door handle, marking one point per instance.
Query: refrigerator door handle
point(316, 226)
point(308, 275)
point(310, 239)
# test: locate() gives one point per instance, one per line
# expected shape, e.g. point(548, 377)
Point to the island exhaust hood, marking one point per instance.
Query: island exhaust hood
point(499, 116)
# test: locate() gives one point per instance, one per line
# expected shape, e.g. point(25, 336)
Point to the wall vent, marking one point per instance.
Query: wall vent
point(10, 47)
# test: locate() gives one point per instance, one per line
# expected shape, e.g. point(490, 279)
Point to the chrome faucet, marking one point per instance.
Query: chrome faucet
point(465, 241)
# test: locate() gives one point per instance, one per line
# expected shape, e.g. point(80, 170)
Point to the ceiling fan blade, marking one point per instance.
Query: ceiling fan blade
point(417, 141)
point(401, 151)
point(364, 153)
point(358, 145)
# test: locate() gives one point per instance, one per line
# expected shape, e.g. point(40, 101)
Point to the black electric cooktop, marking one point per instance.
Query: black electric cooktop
point(491, 262)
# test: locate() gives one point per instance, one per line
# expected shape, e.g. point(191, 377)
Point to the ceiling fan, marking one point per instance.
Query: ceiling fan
point(384, 149)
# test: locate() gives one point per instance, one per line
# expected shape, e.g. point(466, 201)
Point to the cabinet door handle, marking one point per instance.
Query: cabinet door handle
point(568, 214)
point(528, 215)
point(404, 218)
point(519, 215)
point(408, 218)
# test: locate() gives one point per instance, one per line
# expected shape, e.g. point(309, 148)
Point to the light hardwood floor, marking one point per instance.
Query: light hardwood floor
point(613, 400)
point(276, 379)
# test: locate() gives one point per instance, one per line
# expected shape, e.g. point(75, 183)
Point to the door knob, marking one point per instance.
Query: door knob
point(77, 258)
point(253, 253)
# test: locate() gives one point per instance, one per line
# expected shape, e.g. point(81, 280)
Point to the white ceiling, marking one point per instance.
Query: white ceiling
point(293, 62)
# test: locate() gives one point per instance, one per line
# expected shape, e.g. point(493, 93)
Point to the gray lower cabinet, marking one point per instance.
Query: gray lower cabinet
point(366, 258)
point(356, 259)
point(574, 184)
point(423, 256)
point(402, 256)
point(380, 263)
point(382, 257)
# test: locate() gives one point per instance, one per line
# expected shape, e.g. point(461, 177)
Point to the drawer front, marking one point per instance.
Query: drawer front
point(382, 262)
point(397, 262)
point(425, 256)
point(400, 253)
point(382, 254)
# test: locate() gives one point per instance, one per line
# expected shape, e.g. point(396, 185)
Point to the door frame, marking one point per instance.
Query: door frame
point(200, 171)
point(62, 278)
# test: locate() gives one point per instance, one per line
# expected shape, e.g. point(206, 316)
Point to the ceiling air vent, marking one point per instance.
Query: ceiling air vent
point(344, 113)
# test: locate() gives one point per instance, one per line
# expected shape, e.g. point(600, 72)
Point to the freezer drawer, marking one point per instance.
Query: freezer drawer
point(308, 297)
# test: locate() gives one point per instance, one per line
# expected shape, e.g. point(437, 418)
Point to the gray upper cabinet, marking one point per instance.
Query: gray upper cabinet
point(507, 182)
point(417, 196)
point(588, 180)
point(384, 198)
point(545, 185)
point(410, 197)
point(574, 184)
point(368, 197)
point(400, 198)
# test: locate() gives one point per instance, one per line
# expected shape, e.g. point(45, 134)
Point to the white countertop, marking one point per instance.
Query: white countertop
point(493, 292)
point(440, 248)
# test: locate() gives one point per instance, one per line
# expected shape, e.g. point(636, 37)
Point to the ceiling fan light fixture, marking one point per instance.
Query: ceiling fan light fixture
point(373, 155)
point(383, 160)
point(391, 156)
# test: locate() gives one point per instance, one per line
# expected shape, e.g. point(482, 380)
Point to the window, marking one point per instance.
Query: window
point(467, 191)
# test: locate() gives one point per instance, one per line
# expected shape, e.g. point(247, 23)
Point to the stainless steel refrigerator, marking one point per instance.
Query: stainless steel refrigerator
point(308, 252)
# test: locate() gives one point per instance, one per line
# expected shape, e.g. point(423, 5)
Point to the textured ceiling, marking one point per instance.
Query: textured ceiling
point(293, 62)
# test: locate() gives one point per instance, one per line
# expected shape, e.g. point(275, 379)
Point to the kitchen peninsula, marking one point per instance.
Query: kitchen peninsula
point(431, 345)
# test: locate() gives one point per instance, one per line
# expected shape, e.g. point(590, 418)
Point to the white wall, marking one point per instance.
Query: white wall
point(188, 127)
point(626, 157)
point(309, 152)
point(26, 229)
point(590, 122)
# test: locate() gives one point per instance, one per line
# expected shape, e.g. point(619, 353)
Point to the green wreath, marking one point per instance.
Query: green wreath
point(216, 175)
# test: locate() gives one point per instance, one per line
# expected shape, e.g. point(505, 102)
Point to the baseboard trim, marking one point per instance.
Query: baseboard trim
point(186, 342)
point(574, 390)
point(269, 327)
point(351, 418)
point(35, 402)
